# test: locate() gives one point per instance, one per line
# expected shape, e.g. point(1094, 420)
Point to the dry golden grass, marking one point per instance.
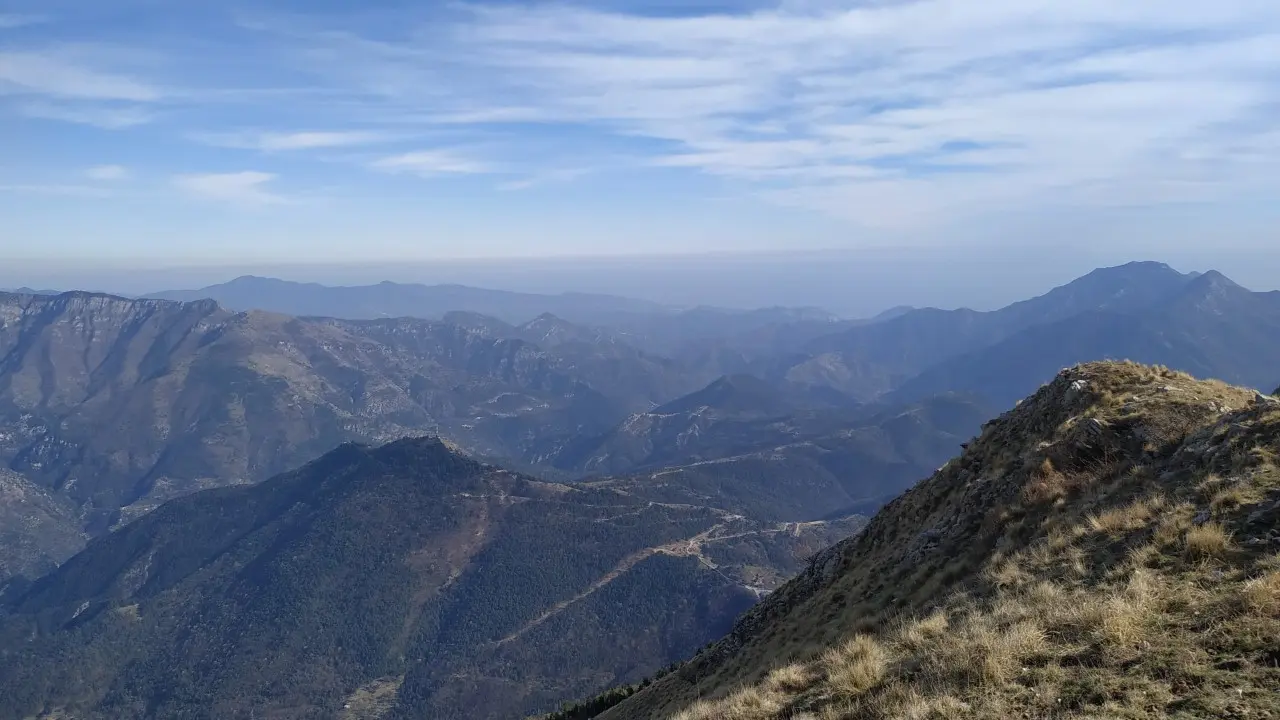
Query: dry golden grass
point(1262, 595)
point(855, 666)
point(746, 704)
point(792, 678)
point(1207, 541)
point(1130, 517)
point(1228, 498)
point(1046, 485)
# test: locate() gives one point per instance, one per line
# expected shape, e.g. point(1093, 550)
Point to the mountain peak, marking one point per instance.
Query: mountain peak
point(1212, 292)
point(1213, 279)
point(1130, 287)
point(1131, 272)
point(732, 394)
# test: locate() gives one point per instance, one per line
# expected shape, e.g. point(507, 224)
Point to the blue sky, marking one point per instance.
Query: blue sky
point(290, 130)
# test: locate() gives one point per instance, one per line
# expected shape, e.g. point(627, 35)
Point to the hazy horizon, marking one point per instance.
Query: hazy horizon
point(852, 284)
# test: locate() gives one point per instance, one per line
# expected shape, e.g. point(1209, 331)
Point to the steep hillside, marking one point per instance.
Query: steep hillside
point(803, 467)
point(1108, 548)
point(408, 573)
point(743, 418)
point(38, 530)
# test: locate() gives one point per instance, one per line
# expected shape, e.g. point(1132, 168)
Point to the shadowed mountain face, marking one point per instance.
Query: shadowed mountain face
point(409, 573)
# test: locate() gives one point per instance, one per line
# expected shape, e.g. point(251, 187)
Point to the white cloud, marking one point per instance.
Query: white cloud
point(301, 140)
point(106, 116)
point(546, 177)
point(67, 190)
point(49, 73)
point(240, 188)
point(10, 21)
point(107, 173)
point(890, 113)
point(431, 163)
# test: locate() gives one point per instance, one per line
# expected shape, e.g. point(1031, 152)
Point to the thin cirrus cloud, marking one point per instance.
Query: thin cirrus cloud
point(246, 188)
point(297, 140)
point(431, 163)
point(53, 75)
point(9, 21)
point(891, 113)
point(106, 116)
point(108, 173)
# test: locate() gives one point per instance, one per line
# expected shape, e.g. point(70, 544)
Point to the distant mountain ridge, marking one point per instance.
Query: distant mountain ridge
point(1208, 326)
point(1198, 322)
point(393, 300)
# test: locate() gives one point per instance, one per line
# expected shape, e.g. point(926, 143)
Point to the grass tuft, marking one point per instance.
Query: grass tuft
point(1261, 596)
point(855, 666)
point(1206, 541)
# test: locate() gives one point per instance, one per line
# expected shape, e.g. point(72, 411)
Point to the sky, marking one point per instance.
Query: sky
point(156, 133)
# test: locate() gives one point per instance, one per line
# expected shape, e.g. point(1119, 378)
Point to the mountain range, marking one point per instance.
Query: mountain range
point(1199, 322)
point(529, 508)
point(1142, 310)
point(390, 300)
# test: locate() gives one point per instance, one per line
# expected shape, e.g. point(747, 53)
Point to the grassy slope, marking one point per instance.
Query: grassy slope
point(1106, 549)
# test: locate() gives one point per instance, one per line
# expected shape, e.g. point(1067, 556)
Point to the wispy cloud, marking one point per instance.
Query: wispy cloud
point(52, 74)
point(9, 21)
point(67, 190)
point(113, 116)
point(108, 173)
point(240, 188)
point(889, 112)
point(548, 177)
point(432, 163)
point(299, 140)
